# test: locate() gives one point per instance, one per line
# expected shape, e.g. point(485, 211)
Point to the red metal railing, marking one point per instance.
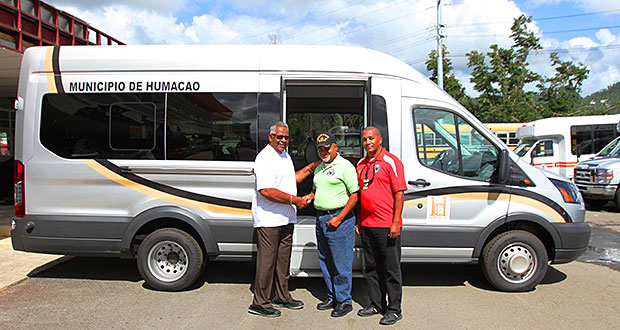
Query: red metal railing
point(26, 23)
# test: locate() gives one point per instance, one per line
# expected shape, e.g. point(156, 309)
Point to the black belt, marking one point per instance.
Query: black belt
point(330, 212)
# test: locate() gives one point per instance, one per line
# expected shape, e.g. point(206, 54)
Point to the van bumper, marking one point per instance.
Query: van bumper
point(575, 238)
point(62, 235)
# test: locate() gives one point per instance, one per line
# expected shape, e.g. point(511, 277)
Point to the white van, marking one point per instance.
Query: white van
point(557, 144)
point(147, 152)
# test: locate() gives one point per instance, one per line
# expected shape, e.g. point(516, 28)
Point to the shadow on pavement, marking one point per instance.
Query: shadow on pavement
point(94, 268)
point(414, 275)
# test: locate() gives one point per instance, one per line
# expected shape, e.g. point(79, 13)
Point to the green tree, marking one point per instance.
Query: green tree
point(502, 79)
point(451, 84)
point(559, 94)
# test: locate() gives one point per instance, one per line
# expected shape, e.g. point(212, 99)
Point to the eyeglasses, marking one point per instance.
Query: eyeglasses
point(280, 137)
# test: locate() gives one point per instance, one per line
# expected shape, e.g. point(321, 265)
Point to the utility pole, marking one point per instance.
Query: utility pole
point(439, 47)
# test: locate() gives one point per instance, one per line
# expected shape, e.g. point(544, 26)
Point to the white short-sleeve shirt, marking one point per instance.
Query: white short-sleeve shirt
point(273, 170)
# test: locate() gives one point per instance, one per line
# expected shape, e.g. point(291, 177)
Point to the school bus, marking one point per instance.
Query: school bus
point(507, 132)
point(434, 144)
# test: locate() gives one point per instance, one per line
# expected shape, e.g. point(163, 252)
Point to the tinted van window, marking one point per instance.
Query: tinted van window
point(211, 126)
point(104, 126)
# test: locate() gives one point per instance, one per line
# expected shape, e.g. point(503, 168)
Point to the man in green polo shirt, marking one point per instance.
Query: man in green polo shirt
point(335, 195)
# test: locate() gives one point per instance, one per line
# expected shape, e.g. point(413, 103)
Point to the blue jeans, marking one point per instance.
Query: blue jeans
point(335, 248)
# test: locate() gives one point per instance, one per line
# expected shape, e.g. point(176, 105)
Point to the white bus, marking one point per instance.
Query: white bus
point(558, 144)
point(147, 152)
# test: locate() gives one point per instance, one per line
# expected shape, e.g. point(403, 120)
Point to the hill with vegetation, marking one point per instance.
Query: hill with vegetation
point(605, 101)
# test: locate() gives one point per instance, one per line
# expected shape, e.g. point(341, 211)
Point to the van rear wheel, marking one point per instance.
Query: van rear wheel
point(169, 259)
point(514, 261)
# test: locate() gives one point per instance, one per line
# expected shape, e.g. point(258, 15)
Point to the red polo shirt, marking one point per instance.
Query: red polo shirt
point(385, 176)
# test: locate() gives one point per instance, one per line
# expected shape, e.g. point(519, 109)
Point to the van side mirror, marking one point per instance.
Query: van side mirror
point(504, 166)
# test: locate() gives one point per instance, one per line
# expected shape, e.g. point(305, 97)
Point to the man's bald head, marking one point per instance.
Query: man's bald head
point(375, 130)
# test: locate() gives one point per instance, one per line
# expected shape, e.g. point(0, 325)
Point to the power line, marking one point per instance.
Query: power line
point(298, 22)
point(548, 32)
point(420, 42)
point(539, 52)
point(372, 25)
point(405, 36)
point(537, 19)
point(558, 50)
point(352, 19)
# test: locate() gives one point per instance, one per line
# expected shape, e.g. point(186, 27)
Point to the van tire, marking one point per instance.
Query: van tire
point(514, 261)
point(170, 259)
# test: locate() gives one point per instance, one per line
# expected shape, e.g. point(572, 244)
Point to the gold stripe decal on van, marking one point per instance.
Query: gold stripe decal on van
point(49, 70)
point(523, 197)
point(167, 193)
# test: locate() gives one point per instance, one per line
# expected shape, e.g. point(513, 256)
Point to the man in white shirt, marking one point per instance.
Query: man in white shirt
point(274, 209)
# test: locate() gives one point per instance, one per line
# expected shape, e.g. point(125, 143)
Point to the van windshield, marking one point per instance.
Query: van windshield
point(615, 152)
point(609, 149)
point(523, 148)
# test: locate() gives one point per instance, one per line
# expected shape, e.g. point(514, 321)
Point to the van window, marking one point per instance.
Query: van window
point(269, 112)
point(199, 126)
point(103, 126)
point(467, 152)
point(543, 149)
point(378, 119)
point(132, 126)
point(211, 126)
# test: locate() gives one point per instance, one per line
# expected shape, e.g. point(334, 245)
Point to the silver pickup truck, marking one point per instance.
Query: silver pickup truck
point(598, 178)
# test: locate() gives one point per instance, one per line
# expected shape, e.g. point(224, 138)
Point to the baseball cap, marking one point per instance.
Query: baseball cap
point(325, 140)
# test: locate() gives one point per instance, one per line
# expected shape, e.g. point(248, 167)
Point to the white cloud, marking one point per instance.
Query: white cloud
point(89, 5)
point(606, 37)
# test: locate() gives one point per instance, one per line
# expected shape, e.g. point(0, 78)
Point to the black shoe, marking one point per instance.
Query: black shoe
point(293, 304)
point(368, 311)
point(325, 304)
point(341, 309)
point(390, 318)
point(267, 312)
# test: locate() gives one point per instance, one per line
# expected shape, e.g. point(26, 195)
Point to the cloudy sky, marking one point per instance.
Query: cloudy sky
point(586, 31)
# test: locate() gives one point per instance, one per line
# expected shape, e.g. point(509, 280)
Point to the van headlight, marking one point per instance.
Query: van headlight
point(569, 192)
point(604, 176)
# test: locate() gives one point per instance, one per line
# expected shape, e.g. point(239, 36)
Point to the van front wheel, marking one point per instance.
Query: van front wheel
point(514, 261)
point(169, 260)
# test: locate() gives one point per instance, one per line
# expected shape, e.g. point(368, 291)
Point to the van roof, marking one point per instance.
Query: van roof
point(342, 59)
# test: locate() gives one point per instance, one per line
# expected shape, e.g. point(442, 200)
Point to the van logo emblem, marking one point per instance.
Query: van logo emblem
point(438, 208)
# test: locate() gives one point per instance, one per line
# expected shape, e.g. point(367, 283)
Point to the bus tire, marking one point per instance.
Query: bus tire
point(170, 259)
point(514, 261)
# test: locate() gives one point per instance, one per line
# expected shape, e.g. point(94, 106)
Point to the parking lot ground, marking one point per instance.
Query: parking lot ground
point(104, 293)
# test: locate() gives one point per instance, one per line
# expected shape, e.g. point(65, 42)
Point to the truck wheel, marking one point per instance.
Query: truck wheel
point(514, 261)
point(170, 260)
point(617, 200)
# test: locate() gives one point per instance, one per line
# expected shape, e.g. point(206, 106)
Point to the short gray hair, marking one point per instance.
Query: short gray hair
point(272, 129)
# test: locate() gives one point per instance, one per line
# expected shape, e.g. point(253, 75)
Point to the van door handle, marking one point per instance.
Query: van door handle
point(420, 182)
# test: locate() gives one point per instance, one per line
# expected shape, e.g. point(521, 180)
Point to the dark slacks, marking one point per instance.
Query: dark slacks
point(383, 275)
point(273, 245)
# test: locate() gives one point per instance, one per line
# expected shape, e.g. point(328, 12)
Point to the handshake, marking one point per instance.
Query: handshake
point(303, 201)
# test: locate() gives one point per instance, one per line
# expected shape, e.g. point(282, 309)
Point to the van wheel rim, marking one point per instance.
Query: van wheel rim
point(167, 261)
point(517, 263)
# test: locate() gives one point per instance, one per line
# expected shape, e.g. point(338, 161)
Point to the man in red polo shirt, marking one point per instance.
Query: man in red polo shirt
point(382, 184)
